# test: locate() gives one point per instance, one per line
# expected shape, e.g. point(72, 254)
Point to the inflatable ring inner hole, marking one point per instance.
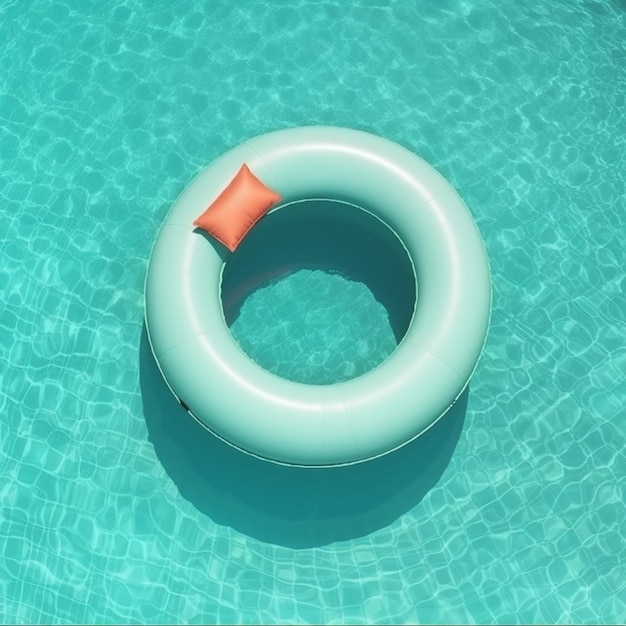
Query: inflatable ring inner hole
point(329, 235)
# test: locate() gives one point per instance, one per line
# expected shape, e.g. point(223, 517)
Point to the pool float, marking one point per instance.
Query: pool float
point(234, 298)
point(348, 422)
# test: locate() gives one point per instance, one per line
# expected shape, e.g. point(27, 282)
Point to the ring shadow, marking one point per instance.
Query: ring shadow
point(290, 506)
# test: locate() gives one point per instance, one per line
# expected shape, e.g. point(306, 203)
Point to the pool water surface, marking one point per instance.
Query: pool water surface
point(314, 327)
point(116, 507)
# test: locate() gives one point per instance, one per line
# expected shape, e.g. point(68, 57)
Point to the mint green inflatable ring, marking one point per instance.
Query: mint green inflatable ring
point(348, 422)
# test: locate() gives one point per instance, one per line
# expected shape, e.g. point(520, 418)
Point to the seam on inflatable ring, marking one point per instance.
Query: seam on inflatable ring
point(421, 347)
point(443, 194)
point(276, 184)
point(177, 224)
point(348, 419)
point(180, 343)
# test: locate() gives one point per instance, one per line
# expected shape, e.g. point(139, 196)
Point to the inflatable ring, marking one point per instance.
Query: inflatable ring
point(348, 422)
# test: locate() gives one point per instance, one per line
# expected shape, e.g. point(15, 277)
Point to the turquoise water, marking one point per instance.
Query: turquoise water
point(314, 327)
point(117, 508)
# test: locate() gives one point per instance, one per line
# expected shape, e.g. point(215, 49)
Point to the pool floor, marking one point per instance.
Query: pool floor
point(118, 508)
